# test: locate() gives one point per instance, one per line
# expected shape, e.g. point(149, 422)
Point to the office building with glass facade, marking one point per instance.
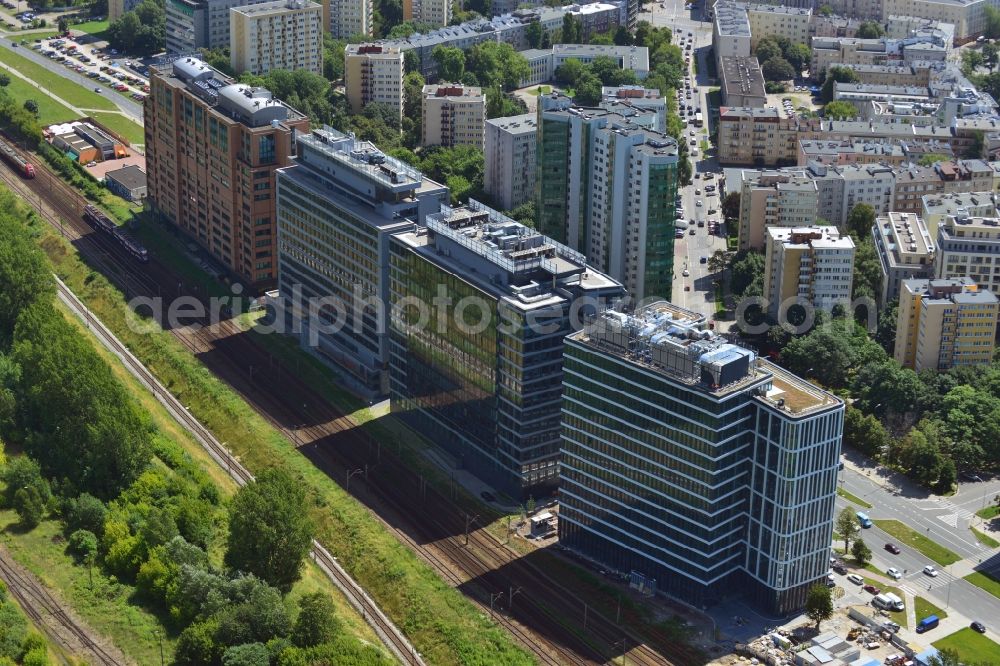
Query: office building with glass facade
point(480, 308)
point(690, 462)
point(337, 206)
point(606, 187)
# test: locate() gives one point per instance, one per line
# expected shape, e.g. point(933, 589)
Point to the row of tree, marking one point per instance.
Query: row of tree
point(88, 463)
point(781, 59)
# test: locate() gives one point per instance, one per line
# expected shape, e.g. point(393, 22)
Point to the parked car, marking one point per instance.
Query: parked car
point(856, 579)
point(931, 571)
point(872, 589)
point(972, 476)
point(978, 626)
point(892, 548)
point(840, 568)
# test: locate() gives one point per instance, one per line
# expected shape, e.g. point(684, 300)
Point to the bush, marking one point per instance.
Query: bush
point(196, 645)
point(82, 545)
point(29, 506)
point(316, 623)
point(86, 512)
point(23, 472)
point(250, 654)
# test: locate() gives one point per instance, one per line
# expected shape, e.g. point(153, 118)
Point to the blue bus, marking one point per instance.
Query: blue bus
point(864, 519)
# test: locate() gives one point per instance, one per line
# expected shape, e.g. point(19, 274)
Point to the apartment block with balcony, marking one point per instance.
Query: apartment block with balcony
point(481, 375)
point(944, 323)
point(373, 73)
point(453, 115)
point(607, 186)
point(914, 182)
point(347, 18)
point(761, 137)
point(810, 266)
point(774, 198)
point(792, 23)
point(509, 175)
point(700, 469)
point(199, 24)
point(284, 34)
point(905, 250)
point(212, 149)
point(430, 12)
point(969, 247)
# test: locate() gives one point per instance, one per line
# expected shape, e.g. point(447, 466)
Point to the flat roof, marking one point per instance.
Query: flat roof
point(523, 124)
point(731, 19)
point(130, 177)
point(905, 234)
point(276, 7)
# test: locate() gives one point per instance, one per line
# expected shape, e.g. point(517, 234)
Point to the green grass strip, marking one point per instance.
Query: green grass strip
point(914, 539)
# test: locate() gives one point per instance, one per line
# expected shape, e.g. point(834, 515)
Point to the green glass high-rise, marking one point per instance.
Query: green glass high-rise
point(607, 186)
point(481, 306)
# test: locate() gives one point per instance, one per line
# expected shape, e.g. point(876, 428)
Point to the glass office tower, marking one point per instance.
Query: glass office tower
point(692, 462)
point(480, 308)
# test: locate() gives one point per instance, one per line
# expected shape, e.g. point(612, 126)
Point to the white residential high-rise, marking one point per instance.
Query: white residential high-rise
point(434, 12)
point(606, 187)
point(453, 115)
point(346, 18)
point(373, 73)
point(510, 159)
point(284, 34)
point(807, 265)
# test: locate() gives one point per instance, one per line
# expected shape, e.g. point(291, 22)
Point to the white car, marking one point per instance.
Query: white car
point(855, 578)
point(699, 203)
point(894, 573)
point(930, 571)
point(686, 273)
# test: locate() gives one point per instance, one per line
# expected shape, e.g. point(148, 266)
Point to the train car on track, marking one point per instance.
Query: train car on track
point(96, 218)
point(13, 158)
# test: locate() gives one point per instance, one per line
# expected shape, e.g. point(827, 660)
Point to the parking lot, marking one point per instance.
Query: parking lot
point(101, 64)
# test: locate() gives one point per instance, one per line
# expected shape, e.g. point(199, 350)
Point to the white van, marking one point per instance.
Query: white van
point(888, 601)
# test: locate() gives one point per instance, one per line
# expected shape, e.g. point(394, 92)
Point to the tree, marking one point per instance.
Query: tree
point(317, 621)
point(572, 30)
point(29, 506)
point(86, 512)
point(23, 472)
point(569, 71)
point(142, 31)
point(860, 220)
point(839, 74)
point(870, 30)
point(500, 104)
point(588, 90)
point(777, 69)
point(819, 604)
point(847, 526)
point(991, 55)
point(865, 433)
point(799, 55)
point(82, 545)
point(920, 456)
point(861, 552)
point(62, 25)
point(840, 110)
point(731, 206)
point(971, 61)
point(31, 106)
point(610, 73)
point(63, 382)
point(450, 61)
point(534, 34)
point(4, 80)
point(766, 49)
point(718, 261)
point(497, 63)
point(747, 267)
point(270, 531)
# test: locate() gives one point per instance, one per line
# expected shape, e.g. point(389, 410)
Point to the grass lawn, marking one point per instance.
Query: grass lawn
point(50, 110)
point(989, 512)
point(541, 90)
point(853, 498)
point(116, 122)
point(923, 608)
point(985, 581)
point(914, 539)
point(972, 647)
point(985, 539)
point(91, 28)
point(72, 93)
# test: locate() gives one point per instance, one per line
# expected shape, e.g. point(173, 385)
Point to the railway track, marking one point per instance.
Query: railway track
point(36, 602)
point(546, 619)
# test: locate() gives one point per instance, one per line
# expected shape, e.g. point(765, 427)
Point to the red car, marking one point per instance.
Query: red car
point(871, 588)
point(892, 548)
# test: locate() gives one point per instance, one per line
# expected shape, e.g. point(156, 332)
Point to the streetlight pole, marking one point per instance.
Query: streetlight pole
point(510, 598)
point(493, 598)
point(159, 638)
point(469, 519)
point(351, 473)
point(624, 643)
